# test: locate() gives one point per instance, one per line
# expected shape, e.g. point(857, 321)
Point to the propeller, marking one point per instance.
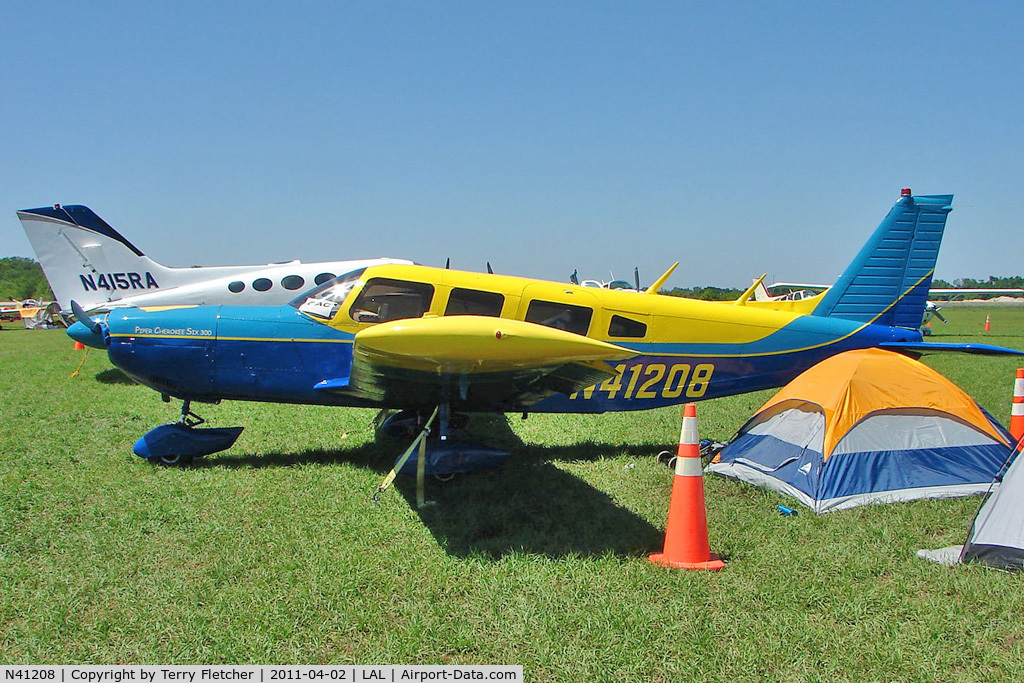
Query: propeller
point(636, 277)
point(87, 331)
point(84, 318)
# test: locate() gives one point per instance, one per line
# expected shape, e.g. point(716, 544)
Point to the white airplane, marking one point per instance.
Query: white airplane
point(804, 290)
point(956, 294)
point(85, 259)
point(621, 285)
point(798, 291)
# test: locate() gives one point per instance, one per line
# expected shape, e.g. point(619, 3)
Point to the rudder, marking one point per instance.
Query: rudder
point(888, 281)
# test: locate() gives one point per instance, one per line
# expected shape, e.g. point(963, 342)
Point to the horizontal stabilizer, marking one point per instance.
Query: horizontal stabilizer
point(932, 347)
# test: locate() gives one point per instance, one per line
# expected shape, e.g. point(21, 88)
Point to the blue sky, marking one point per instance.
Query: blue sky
point(736, 137)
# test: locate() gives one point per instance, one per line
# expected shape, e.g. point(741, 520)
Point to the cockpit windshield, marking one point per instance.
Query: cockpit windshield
point(323, 301)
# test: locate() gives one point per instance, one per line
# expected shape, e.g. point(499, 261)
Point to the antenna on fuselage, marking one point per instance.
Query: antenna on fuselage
point(653, 289)
point(742, 301)
point(489, 271)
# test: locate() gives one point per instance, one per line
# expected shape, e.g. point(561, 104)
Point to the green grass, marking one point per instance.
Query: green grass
point(273, 552)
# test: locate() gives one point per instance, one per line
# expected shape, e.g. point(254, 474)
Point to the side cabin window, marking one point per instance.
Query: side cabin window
point(473, 302)
point(382, 300)
point(625, 327)
point(575, 319)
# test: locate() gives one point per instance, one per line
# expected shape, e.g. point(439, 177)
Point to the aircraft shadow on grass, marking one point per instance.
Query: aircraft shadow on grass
point(529, 506)
point(114, 376)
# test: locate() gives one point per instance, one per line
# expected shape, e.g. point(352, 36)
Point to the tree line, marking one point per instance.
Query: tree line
point(22, 278)
point(993, 282)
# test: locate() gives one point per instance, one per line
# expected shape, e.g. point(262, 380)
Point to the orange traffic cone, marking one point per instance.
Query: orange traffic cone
point(686, 534)
point(79, 346)
point(1017, 412)
point(988, 324)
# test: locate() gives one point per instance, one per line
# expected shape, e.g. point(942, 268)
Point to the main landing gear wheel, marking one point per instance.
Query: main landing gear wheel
point(177, 460)
point(405, 424)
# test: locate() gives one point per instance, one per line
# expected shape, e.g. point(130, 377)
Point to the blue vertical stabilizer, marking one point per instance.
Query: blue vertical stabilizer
point(887, 283)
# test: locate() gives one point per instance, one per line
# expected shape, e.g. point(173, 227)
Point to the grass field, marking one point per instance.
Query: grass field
point(273, 552)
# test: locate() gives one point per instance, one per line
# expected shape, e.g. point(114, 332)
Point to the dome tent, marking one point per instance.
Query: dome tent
point(867, 426)
point(997, 533)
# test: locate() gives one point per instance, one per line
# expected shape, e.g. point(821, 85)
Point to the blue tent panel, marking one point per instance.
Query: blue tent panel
point(852, 474)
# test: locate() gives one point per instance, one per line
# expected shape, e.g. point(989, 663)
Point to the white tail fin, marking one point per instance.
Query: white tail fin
point(760, 291)
point(85, 259)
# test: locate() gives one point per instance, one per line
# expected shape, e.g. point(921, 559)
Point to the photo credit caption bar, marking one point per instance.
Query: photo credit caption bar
point(258, 674)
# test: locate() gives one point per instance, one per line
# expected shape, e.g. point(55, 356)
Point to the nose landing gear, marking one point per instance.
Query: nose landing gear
point(176, 444)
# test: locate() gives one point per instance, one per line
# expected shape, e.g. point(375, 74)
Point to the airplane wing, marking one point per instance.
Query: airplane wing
point(501, 363)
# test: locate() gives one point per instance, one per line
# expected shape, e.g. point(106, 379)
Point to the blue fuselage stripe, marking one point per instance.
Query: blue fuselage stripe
point(231, 356)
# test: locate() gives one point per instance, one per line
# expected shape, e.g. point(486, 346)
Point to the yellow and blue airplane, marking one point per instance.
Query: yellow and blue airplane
point(414, 338)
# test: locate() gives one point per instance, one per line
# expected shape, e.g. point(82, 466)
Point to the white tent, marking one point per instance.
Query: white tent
point(997, 535)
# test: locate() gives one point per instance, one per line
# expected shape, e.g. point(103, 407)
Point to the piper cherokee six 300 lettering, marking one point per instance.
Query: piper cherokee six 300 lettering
point(415, 338)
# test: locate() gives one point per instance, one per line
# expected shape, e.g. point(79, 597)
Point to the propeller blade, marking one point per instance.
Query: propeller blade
point(84, 318)
point(636, 277)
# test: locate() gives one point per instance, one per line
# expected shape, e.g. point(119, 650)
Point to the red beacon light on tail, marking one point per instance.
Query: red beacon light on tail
point(905, 192)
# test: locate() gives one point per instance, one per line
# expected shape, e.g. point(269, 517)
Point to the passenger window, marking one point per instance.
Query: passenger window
point(472, 302)
point(323, 277)
point(292, 282)
point(624, 327)
point(262, 284)
point(382, 300)
point(575, 319)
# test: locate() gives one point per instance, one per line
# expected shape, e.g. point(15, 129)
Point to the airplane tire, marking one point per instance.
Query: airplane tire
point(173, 460)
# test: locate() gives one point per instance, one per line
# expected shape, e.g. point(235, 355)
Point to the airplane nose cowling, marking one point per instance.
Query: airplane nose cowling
point(83, 333)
